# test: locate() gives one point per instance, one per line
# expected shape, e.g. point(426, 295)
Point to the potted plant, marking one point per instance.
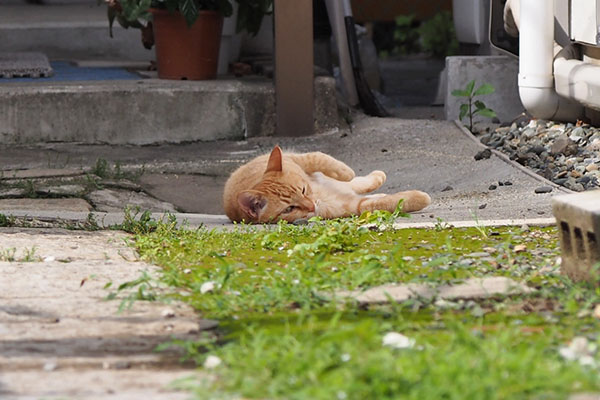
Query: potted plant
point(186, 33)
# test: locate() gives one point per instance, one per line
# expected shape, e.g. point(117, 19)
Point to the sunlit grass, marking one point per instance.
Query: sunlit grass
point(285, 335)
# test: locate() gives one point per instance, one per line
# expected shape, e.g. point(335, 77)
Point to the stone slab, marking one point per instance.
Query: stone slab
point(499, 71)
point(122, 384)
point(12, 193)
point(24, 64)
point(59, 190)
point(57, 205)
point(74, 246)
point(474, 288)
point(189, 193)
point(31, 173)
point(59, 338)
point(110, 200)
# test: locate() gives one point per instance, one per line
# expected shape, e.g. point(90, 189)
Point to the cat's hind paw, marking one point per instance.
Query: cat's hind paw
point(379, 177)
point(345, 174)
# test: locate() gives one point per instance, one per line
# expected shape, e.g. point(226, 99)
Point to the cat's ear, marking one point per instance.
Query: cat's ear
point(274, 164)
point(251, 202)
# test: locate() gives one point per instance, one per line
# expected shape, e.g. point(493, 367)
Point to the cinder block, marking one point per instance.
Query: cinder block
point(499, 71)
point(578, 220)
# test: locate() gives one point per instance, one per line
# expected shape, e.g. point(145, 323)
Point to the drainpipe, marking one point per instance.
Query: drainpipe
point(536, 57)
point(576, 79)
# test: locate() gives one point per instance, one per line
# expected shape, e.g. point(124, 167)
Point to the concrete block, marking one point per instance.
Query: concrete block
point(147, 111)
point(499, 71)
point(578, 219)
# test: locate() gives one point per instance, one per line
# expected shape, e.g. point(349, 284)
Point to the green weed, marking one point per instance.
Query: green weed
point(469, 92)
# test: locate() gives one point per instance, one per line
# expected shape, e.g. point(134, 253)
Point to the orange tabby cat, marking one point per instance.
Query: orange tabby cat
point(293, 186)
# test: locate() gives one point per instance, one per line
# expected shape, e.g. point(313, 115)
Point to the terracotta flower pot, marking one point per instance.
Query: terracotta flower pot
point(184, 52)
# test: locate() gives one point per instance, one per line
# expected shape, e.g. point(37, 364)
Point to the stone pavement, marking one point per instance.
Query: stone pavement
point(434, 156)
point(59, 338)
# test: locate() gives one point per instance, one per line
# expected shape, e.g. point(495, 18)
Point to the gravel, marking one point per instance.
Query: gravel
point(566, 154)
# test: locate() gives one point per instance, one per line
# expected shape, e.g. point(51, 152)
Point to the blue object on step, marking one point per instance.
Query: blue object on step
point(66, 71)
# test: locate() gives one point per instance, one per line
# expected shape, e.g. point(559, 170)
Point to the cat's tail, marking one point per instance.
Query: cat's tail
point(412, 200)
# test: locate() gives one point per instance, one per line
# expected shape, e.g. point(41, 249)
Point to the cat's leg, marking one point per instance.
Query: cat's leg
point(413, 200)
point(321, 162)
point(366, 184)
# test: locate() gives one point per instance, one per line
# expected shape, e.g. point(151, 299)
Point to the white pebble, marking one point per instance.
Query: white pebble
point(398, 341)
point(167, 313)
point(581, 350)
point(49, 259)
point(208, 286)
point(50, 366)
point(212, 362)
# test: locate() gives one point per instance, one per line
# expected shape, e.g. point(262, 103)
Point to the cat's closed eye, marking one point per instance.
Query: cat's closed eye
point(304, 190)
point(289, 209)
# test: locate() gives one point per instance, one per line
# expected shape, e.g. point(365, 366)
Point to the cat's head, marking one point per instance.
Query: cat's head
point(282, 194)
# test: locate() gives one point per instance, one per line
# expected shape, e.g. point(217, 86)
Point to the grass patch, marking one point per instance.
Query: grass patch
point(284, 335)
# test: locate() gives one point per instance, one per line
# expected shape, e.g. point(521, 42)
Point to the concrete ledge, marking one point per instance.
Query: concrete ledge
point(105, 220)
point(148, 111)
point(499, 71)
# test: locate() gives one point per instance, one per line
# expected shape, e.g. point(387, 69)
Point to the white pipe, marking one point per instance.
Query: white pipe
point(536, 56)
point(335, 11)
point(578, 80)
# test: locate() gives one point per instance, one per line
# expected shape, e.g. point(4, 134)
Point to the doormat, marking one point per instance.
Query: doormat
point(26, 64)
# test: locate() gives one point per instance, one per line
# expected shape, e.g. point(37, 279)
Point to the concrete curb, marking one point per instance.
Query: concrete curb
point(507, 160)
point(541, 222)
point(212, 221)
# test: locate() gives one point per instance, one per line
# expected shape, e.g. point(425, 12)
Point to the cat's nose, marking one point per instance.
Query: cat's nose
point(310, 206)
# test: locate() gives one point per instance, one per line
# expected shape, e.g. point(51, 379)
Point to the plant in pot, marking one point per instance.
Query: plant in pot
point(187, 33)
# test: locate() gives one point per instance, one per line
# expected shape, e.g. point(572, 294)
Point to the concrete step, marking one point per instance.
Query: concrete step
point(143, 111)
point(67, 31)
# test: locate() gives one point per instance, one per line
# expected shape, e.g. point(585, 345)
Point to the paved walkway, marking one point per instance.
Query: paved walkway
point(434, 156)
point(60, 339)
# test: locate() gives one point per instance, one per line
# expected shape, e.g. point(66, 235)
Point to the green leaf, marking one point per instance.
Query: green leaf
point(464, 109)
point(479, 105)
point(225, 7)
point(171, 6)
point(460, 93)
point(486, 112)
point(486, 88)
point(189, 9)
point(250, 15)
point(469, 87)
point(398, 213)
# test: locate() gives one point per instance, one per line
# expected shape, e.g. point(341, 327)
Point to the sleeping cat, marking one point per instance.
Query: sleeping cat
point(289, 186)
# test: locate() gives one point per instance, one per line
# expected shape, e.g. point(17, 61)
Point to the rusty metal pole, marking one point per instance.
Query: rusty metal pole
point(294, 73)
